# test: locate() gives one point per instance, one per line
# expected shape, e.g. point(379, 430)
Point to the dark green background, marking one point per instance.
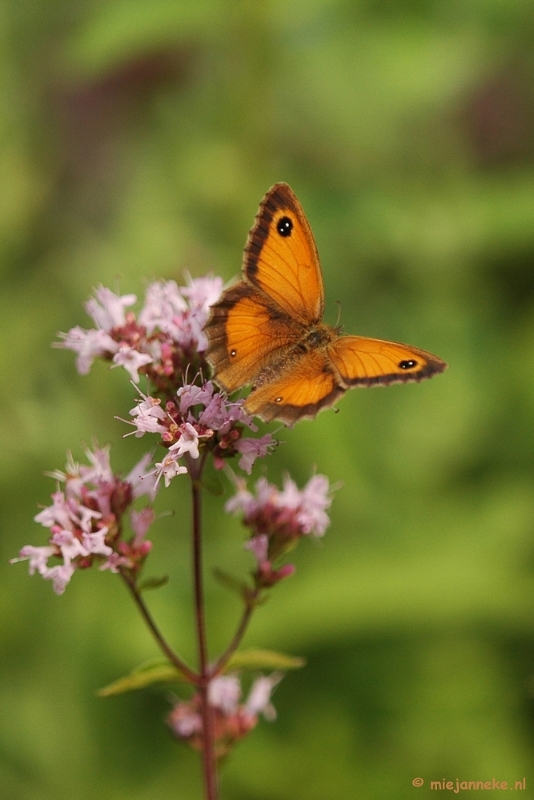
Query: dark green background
point(136, 141)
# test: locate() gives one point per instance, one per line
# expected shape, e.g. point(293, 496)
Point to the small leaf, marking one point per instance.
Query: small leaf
point(153, 583)
point(151, 672)
point(263, 659)
point(234, 584)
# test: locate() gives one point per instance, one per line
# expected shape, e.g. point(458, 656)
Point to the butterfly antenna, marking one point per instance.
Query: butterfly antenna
point(338, 303)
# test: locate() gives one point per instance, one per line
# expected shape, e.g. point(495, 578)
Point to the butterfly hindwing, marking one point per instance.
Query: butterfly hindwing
point(306, 385)
point(369, 362)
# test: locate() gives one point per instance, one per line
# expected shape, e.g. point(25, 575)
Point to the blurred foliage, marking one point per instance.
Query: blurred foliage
point(136, 141)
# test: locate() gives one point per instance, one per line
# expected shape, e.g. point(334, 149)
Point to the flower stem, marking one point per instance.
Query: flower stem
point(208, 750)
point(250, 604)
point(158, 636)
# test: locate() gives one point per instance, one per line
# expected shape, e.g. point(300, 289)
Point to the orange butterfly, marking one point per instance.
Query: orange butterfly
point(267, 330)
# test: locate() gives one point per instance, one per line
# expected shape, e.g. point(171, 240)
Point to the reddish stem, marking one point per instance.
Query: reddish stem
point(250, 604)
point(158, 636)
point(208, 750)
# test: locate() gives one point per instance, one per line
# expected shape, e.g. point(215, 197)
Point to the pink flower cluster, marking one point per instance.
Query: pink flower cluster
point(278, 519)
point(166, 342)
point(163, 342)
point(233, 719)
point(199, 416)
point(85, 520)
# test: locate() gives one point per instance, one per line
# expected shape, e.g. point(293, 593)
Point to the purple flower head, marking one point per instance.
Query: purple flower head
point(85, 520)
point(278, 519)
point(163, 342)
point(233, 719)
point(290, 511)
point(199, 419)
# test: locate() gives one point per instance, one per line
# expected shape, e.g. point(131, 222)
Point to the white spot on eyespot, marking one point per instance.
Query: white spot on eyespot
point(279, 399)
point(233, 353)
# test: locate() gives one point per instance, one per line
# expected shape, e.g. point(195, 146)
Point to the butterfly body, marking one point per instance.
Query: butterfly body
point(267, 330)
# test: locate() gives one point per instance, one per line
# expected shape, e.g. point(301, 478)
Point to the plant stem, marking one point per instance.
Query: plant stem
point(208, 751)
point(238, 635)
point(158, 636)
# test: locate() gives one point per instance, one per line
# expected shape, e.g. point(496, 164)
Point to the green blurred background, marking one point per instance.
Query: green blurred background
point(137, 140)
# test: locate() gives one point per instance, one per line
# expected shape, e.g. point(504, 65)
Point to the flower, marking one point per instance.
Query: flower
point(166, 343)
point(185, 721)
point(292, 512)
point(278, 519)
point(89, 345)
point(141, 481)
point(233, 719)
point(198, 417)
point(169, 468)
point(251, 449)
point(187, 442)
point(85, 520)
point(259, 698)
point(149, 416)
point(162, 342)
point(132, 360)
point(224, 693)
point(163, 305)
point(107, 309)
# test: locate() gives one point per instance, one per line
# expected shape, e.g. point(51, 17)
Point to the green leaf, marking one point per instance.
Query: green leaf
point(147, 674)
point(263, 659)
point(153, 583)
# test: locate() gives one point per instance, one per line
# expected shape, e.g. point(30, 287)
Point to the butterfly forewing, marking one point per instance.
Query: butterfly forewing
point(281, 257)
point(246, 333)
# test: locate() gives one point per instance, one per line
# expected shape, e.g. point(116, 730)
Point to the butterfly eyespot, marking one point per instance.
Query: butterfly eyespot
point(284, 226)
point(233, 353)
point(410, 364)
point(278, 399)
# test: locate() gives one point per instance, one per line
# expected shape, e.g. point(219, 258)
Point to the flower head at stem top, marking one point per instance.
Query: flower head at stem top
point(278, 519)
point(233, 719)
point(86, 520)
point(199, 418)
point(164, 342)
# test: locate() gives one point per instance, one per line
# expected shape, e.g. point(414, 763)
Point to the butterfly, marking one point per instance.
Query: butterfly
point(267, 330)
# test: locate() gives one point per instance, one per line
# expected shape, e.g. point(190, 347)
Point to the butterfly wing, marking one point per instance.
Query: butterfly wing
point(281, 257)
point(246, 333)
point(360, 361)
point(305, 386)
